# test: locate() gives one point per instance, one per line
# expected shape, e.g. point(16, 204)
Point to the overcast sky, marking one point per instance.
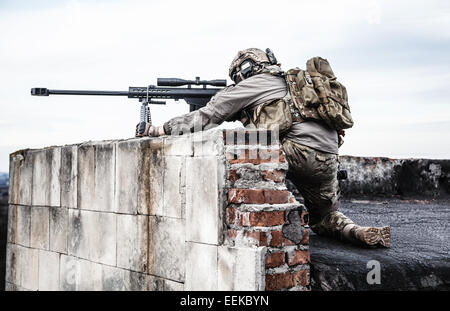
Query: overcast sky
point(393, 57)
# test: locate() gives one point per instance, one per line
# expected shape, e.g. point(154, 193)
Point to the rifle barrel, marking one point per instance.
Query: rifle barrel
point(86, 92)
point(136, 92)
point(41, 91)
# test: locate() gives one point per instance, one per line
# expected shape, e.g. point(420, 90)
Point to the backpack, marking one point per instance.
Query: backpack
point(317, 95)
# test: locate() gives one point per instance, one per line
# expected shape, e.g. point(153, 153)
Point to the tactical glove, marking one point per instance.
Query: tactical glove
point(145, 129)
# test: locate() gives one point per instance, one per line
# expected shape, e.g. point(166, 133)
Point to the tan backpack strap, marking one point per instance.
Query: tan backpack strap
point(317, 79)
point(318, 85)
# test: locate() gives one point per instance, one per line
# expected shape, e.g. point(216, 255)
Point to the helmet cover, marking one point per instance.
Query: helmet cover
point(258, 58)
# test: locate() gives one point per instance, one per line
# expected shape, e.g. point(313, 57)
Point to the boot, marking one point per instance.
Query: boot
point(339, 226)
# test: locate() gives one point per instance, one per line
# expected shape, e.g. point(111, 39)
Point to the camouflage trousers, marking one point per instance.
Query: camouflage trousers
point(314, 173)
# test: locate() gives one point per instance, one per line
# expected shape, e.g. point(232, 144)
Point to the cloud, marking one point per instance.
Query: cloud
point(389, 54)
point(374, 12)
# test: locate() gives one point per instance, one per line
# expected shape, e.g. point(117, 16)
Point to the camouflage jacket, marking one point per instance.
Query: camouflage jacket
point(228, 104)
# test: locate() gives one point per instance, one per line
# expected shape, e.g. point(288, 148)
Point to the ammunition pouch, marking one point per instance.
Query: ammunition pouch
point(273, 115)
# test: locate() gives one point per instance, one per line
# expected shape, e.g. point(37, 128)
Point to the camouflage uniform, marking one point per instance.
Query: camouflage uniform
point(314, 173)
point(311, 149)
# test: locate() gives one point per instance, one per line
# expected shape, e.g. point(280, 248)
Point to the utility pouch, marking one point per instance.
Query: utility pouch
point(273, 115)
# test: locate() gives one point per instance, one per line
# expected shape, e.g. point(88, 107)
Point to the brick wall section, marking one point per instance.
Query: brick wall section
point(261, 212)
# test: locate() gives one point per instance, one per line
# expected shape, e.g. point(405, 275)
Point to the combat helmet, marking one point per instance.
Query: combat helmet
point(249, 62)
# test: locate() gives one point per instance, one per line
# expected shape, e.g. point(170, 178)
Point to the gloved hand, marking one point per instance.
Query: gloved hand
point(145, 129)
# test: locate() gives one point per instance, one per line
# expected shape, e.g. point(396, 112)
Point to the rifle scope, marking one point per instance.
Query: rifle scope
point(197, 81)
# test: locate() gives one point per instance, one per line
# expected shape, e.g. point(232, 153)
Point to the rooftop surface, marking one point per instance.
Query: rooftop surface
point(419, 257)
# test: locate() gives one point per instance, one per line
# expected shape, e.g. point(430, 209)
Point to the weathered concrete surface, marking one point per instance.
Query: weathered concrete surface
point(132, 242)
point(235, 264)
point(203, 200)
point(430, 178)
point(166, 248)
point(401, 178)
point(201, 256)
point(3, 232)
point(136, 214)
point(419, 257)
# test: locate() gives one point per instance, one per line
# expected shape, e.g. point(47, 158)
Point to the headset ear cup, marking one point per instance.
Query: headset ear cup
point(233, 77)
point(237, 77)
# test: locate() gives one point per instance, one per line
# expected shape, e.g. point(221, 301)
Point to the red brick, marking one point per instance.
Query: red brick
point(300, 257)
point(231, 215)
point(287, 280)
point(274, 175)
point(271, 155)
point(258, 236)
point(276, 196)
point(304, 216)
point(246, 196)
point(266, 219)
point(276, 282)
point(275, 259)
point(278, 240)
point(232, 233)
point(261, 219)
point(244, 219)
point(305, 238)
point(232, 175)
point(287, 242)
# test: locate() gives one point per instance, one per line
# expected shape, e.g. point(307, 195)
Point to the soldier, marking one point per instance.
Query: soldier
point(310, 146)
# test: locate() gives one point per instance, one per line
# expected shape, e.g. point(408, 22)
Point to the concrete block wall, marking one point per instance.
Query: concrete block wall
point(369, 176)
point(156, 214)
point(404, 178)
